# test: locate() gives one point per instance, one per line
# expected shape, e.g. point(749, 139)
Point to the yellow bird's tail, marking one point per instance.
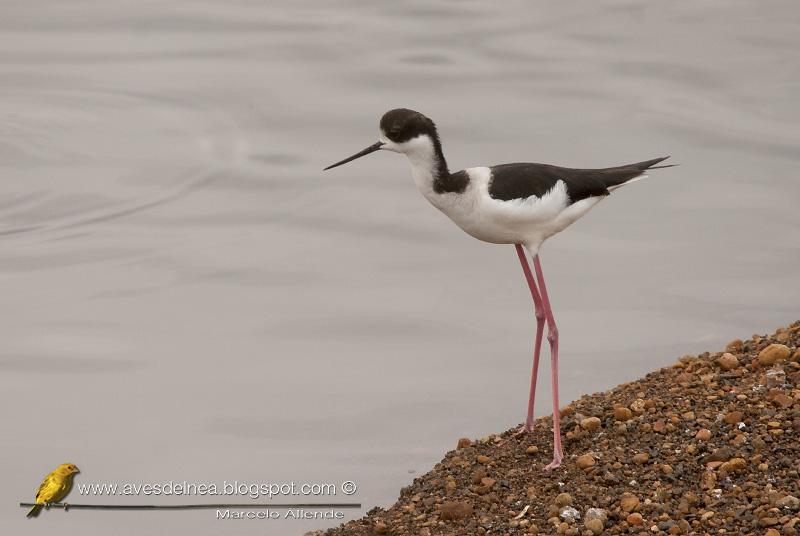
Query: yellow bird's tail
point(33, 512)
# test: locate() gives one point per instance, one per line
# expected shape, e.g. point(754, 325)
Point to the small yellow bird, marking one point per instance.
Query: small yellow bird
point(54, 487)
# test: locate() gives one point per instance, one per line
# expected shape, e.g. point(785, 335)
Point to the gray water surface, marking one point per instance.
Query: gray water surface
point(186, 296)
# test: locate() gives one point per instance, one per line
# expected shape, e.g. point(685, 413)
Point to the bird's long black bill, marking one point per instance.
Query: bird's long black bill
point(371, 149)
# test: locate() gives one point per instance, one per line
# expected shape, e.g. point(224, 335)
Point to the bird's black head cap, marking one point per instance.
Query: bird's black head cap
point(402, 124)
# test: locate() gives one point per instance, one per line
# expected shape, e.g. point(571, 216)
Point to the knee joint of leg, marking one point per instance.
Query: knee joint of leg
point(552, 334)
point(539, 315)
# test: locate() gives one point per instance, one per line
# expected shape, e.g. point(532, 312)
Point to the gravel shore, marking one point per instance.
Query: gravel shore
point(709, 445)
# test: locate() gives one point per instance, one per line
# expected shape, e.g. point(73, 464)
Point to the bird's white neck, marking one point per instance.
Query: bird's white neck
point(427, 163)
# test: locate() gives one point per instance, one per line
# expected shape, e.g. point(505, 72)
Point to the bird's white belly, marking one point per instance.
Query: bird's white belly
point(527, 221)
point(479, 223)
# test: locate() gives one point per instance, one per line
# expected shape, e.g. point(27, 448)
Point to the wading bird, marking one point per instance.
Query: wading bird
point(521, 204)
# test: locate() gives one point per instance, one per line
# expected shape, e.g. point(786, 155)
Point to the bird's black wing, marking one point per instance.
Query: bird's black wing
point(519, 181)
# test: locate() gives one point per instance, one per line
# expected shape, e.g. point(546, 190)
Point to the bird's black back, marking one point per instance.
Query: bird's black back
point(522, 180)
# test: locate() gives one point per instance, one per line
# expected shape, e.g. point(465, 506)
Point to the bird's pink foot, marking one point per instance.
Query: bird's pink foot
point(555, 463)
point(66, 506)
point(526, 428)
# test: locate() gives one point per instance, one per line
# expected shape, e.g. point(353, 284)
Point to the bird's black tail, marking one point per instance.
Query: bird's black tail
point(651, 164)
point(33, 512)
point(618, 176)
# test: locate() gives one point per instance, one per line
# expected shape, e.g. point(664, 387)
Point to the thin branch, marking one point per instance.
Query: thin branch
point(79, 506)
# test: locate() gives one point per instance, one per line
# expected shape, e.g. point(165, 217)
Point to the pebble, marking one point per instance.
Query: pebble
point(775, 378)
point(790, 502)
point(591, 424)
point(639, 405)
point(635, 519)
point(454, 510)
point(463, 443)
point(736, 345)
point(563, 499)
point(732, 466)
point(685, 378)
point(622, 413)
point(533, 449)
point(629, 502)
point(728, 361)
point(666, 525)
point(569, 514)
point(594, 525)
point(596, 513)
point(483, 459)
point(783, 401)
point(478, 475)
point(641, 457)
point(719, 455)
point(704, 434)
point(733, 417)
point(773, 354)
point(585, 461)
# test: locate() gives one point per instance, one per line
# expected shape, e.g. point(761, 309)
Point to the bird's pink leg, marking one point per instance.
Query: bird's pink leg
point(552, 338)
point(539, 311)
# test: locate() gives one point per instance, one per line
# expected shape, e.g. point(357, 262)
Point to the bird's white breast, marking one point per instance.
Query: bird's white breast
point(527, 221)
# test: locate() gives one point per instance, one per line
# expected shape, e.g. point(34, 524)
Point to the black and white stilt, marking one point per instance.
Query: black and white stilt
point(521, 204)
